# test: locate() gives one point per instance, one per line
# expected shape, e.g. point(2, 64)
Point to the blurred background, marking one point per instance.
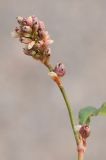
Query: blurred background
point(34, 122)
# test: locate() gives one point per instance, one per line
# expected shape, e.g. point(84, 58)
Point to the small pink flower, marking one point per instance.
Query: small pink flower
point(26, 35)
point(46, 35)
point(49, 41)
point(84, 131)
point(20, 19)
point(40, 44)
point(26, 51)
point(27, 29)
point(29, 21)
point(35, 20)
point(35, 23)
point(31, 44)
point(25, 40)
point(18, 30)
point(41, 25)
point(60, 69)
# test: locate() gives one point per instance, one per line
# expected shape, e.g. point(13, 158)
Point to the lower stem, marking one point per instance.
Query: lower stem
point(80, 155)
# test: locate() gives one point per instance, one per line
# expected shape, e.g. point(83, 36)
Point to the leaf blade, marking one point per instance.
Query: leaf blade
point(102, 110)
point(86, 113)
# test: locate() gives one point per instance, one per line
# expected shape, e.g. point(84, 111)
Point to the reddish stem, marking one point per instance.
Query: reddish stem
point(80, 155)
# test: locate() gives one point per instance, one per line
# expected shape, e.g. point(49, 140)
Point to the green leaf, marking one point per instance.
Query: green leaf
point(86, 113)
point(102, 110)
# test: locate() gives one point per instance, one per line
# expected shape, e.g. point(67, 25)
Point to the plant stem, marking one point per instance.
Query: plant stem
point(71, 115)
point(80, 155)
point(69, 107)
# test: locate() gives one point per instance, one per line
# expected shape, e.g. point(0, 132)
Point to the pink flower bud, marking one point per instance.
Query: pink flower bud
point(84, 131)
point(25, 40)
point(31, 44)
point(60, 69)
point(49, 51)
point(36, 55)
point(18, 30)
point(41, 25)
point(27, 29)
point(26, 51)
point(47, 42)
point(41, 34)
point(35, 27)
point(20, 19)
point(35, 20)
point(29, 21)
point(24, 21)
point(40, 44)
point(27, 35)
point(45, 35)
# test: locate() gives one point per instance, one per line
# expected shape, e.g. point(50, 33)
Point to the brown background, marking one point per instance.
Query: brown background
point(34, 123)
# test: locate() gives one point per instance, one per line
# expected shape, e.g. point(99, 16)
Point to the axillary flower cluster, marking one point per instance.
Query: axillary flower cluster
point(31, 31)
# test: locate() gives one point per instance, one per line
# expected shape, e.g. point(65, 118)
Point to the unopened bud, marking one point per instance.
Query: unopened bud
point(49, 51)
point(41, 25)
point(20, 19)
point(60, 69)
point(18, 30)
point(40, 44)
point(25, 40)
point(84, 131)
point(31, 44)
point(48, 42)
point(29, 21)
point(36, 55)
point(27, 29)
point(26, 51)
point(27, 35)
point(35, 20)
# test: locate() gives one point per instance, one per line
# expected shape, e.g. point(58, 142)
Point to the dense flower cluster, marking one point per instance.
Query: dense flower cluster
point(33, 34)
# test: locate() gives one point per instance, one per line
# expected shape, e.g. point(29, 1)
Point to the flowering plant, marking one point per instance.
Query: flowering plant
point(33, 34)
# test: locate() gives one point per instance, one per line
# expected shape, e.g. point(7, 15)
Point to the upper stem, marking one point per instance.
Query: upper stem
point(71, 115)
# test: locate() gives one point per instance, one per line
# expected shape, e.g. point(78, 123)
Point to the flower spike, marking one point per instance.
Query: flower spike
point(32, 32)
